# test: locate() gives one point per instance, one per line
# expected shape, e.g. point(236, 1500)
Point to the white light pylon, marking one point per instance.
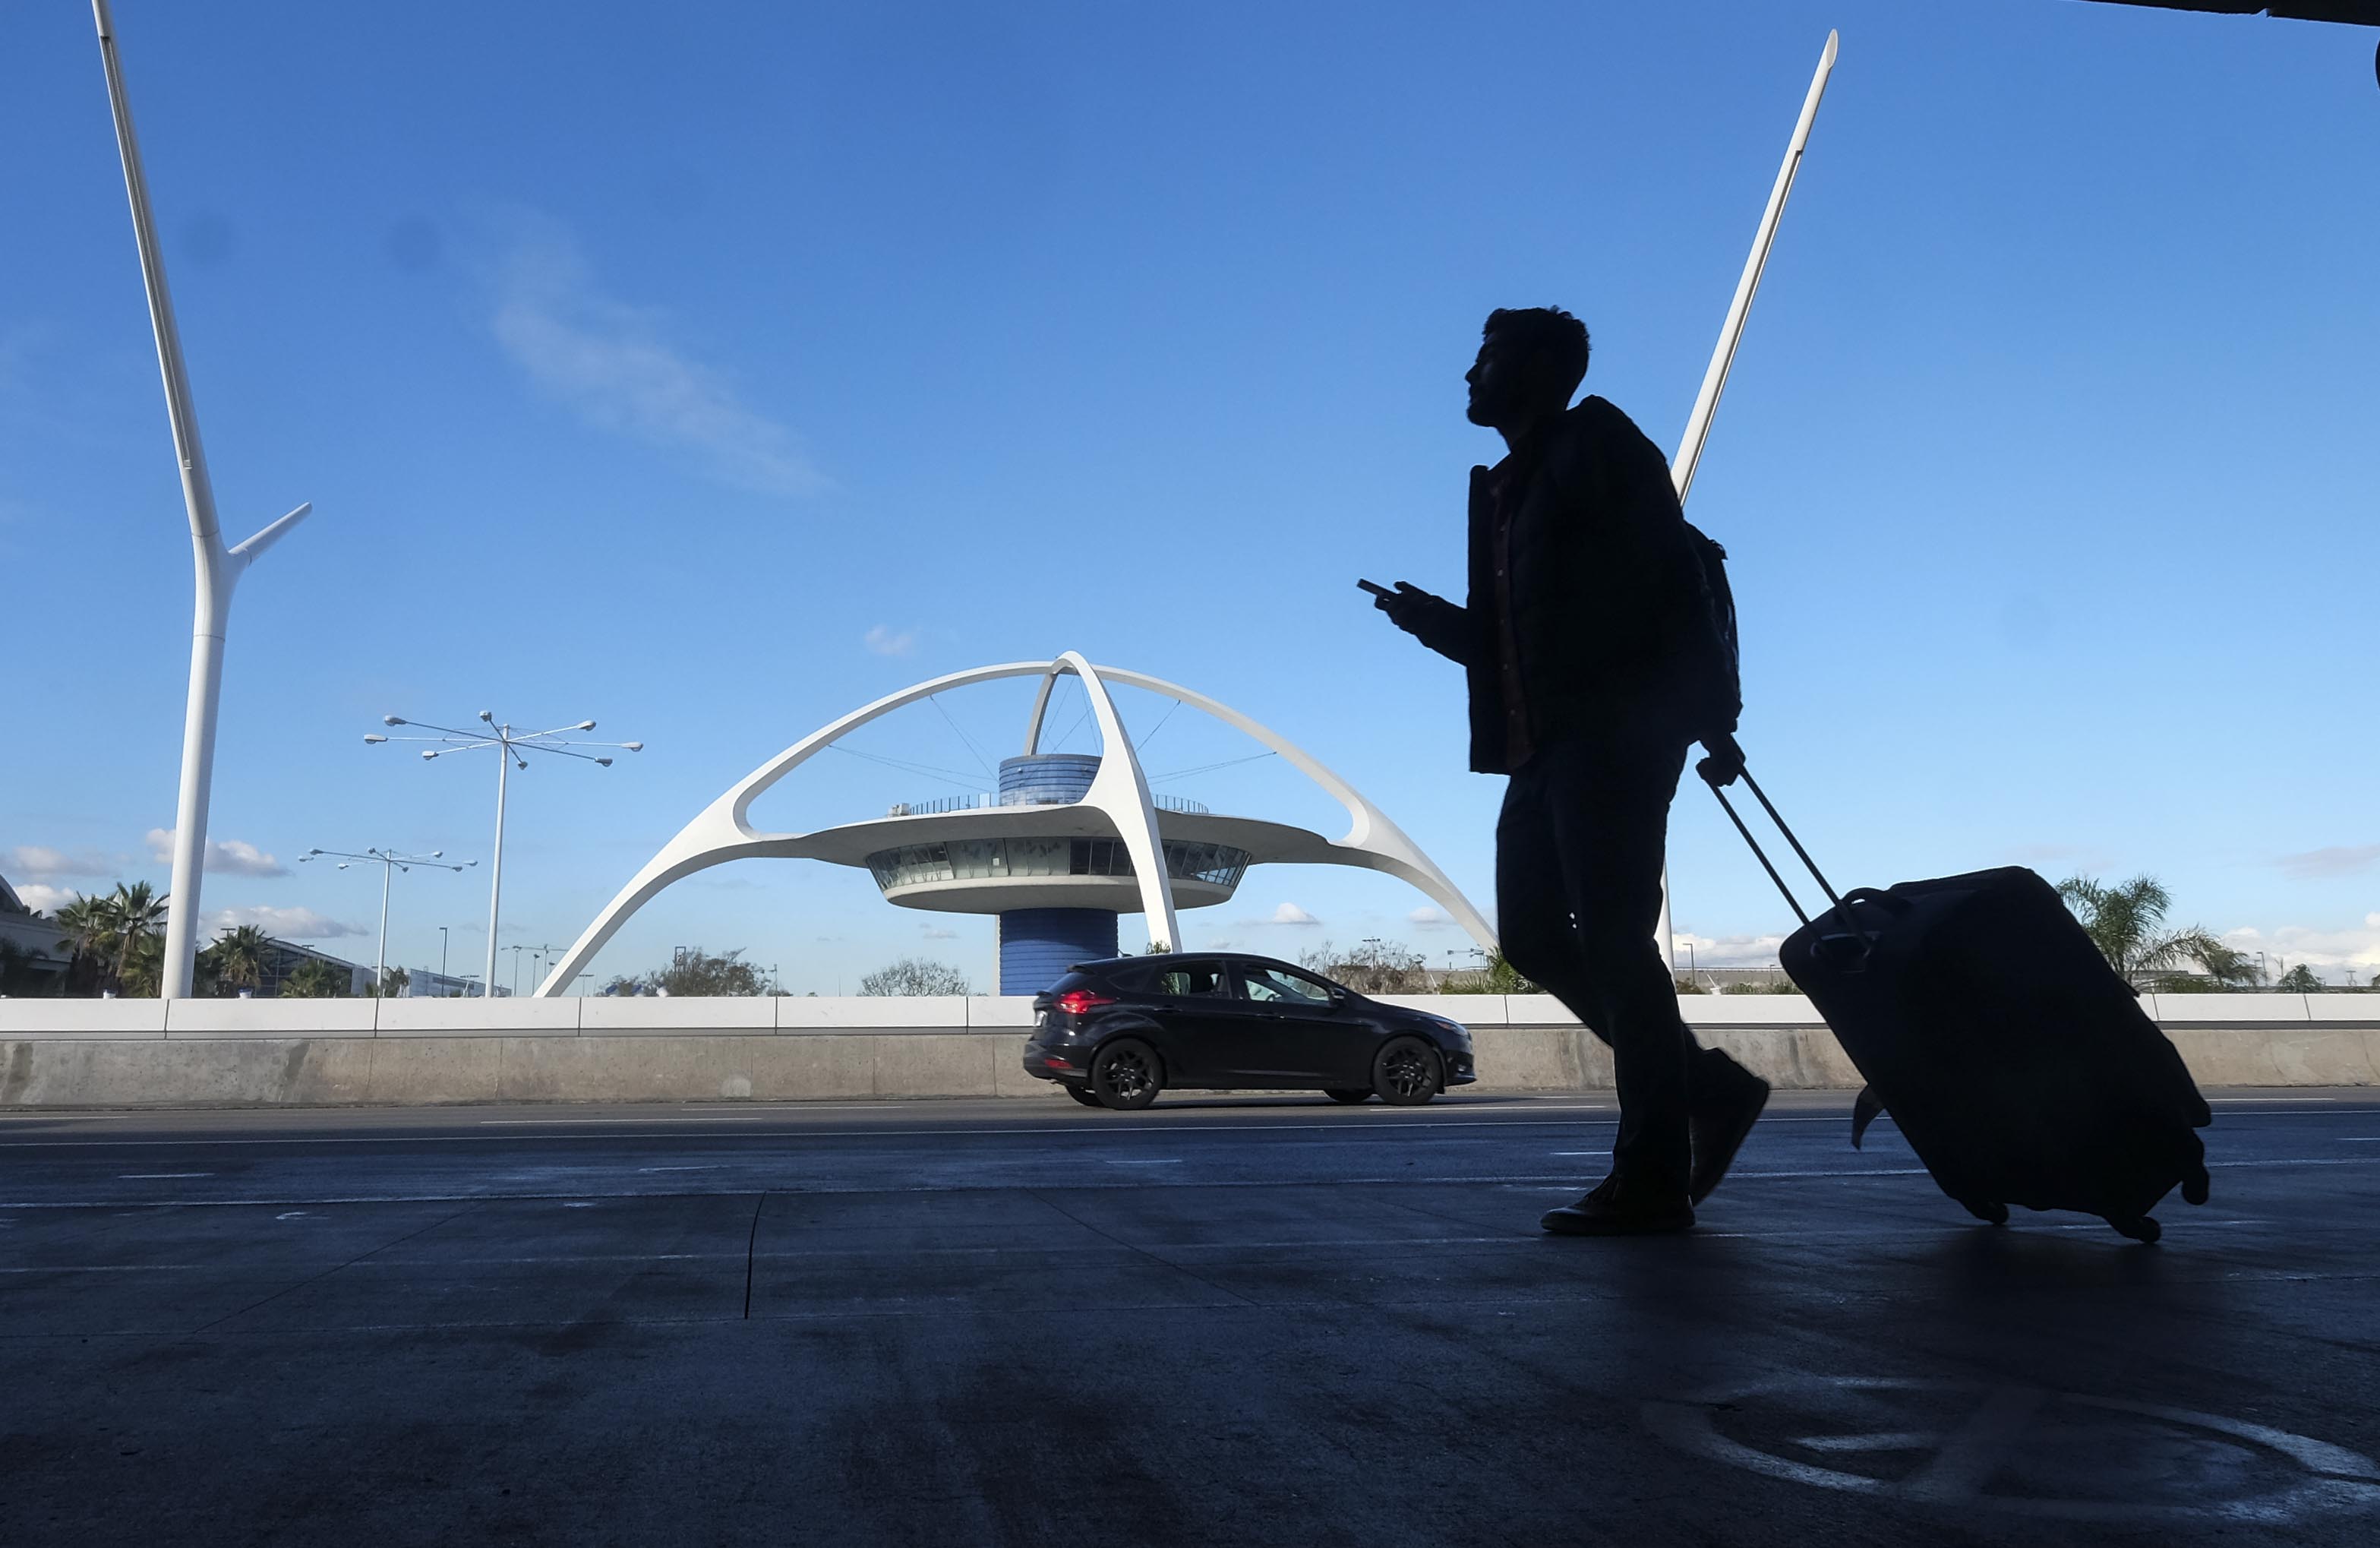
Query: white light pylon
point(219, 568)
point(1698, 424)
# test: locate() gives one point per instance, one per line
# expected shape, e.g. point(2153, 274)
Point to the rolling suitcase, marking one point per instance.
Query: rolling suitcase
point(2018, 1065)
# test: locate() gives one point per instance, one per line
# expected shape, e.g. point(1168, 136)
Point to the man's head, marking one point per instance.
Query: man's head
point(1531, 361)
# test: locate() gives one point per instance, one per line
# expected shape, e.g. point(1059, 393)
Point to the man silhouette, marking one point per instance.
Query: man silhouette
point(1594, 655)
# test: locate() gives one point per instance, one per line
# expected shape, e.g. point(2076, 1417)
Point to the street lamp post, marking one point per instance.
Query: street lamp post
point(511, 747)
point(388, 861)
point(537, 956)
point(219, 567)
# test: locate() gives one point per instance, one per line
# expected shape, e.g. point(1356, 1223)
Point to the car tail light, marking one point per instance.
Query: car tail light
point(1078, 1002)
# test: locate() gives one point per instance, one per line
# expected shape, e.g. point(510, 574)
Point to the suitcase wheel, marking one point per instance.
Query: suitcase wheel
point(2193, 1188)
point(2143, 1229)
point(1990, 1213)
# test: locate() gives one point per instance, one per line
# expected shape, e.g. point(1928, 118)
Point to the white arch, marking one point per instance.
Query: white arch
point(722, 832)
point(1121, 790)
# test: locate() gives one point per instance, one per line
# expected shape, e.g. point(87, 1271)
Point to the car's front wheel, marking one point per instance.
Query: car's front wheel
point(1351, 1095)
point(1126, 1074)
point(1406, 1072)
point(1083, 1094)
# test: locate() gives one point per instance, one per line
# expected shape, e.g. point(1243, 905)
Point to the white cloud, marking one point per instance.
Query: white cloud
point(2339, 859)
point(1288, 913)
point(288, 924)
point(42, 899)
point(2320, 949)
point(1726, 951)
point(935, 932)
point(1426, 919)
point(883, 641)
point(608, 361)
point(40, 859)
point(226, 857)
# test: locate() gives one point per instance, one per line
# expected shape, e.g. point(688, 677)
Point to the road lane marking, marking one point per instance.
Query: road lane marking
point(1551, 1183)
point(150, 1177)
point(1379, 1125)
point(1082, 1247)
point(1354, 1122)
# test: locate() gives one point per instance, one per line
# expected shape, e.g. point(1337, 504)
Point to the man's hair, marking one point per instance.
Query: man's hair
point(1551, 340)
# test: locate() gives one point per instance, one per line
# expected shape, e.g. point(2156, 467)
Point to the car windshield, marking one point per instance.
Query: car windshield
point(1279, 986)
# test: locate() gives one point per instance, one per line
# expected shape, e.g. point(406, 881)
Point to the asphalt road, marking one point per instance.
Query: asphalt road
point(1216, 1322)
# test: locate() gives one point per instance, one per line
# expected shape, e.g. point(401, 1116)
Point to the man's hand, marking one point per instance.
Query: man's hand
point(1725, 765)
point(1405, 606)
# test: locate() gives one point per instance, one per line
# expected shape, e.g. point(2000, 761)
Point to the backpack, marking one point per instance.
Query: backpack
point(1715, 691)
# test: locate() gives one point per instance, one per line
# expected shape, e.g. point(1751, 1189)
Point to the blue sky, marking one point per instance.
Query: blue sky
point(711, 369)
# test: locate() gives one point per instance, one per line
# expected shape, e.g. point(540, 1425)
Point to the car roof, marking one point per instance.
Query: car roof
point(1115, 963)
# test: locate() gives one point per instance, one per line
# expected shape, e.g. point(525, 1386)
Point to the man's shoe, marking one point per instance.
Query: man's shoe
point(1728, 1101)
point(1618, 1209)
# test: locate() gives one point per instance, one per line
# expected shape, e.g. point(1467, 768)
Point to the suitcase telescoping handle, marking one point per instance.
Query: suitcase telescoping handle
point(1710, 771)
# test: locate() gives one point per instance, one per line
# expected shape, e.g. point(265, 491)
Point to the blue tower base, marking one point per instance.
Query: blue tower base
point(1036, 945)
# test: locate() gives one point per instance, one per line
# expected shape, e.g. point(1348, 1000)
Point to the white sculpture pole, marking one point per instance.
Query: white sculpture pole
point(1731, 333)
point(496, 872)
point(1690, 449)
point(219, 570)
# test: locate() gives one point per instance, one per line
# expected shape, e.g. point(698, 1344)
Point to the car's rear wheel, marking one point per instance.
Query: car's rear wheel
point(1348, 1095)
point(1126, 1074)
point(1406, 1072)
point(1083, 1094)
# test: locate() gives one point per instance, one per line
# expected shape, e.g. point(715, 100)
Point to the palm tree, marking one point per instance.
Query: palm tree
point(140, 972)
point(128, 917)
point(2127, 923)
point(393, 984)
point(236, 959)
point(314, 980)
point(85, 925)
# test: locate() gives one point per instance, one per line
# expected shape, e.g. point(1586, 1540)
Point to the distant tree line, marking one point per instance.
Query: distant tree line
point(695, 971)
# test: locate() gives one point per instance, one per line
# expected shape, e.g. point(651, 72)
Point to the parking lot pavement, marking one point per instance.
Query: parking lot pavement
point(1224, 1321)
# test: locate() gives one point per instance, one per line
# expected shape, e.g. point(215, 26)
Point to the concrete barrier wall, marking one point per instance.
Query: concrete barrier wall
point(306, 1053)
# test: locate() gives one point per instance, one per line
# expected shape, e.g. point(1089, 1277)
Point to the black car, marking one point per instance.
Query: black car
point(1115, 1033)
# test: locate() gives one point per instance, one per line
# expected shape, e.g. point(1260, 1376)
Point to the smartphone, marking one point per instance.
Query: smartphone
point(1376, 588)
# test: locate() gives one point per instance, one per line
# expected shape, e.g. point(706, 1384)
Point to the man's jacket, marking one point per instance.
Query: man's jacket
point(1611, 621)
